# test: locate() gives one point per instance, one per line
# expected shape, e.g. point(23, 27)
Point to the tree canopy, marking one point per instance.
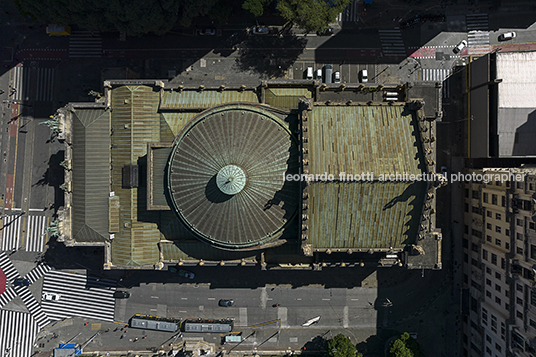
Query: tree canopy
point(341, 346)
point(404, 346)
point(311, 15)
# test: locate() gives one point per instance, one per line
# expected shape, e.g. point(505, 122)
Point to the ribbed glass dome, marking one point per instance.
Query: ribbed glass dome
point(226, 176)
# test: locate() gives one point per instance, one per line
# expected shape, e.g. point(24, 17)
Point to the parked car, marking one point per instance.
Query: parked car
point(260, 30)
point(363, 76)
point(328, 73)
point(186, 274)
point(21, 282)
point(459, 47)
point(207, 32)
point(226, 302)
point(51, 297)
point(326, 32)
point(507, 36)
point(121, 294)
point(337, 77)
point(309, 74)
point(319, 73)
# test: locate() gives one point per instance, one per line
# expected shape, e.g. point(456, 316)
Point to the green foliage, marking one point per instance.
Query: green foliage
point(405, 346)
point(311, 15)
point(341, 346)
point(256, 7)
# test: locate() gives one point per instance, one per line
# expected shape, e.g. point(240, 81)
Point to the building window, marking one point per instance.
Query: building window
point(465, 278)
point(497, 229)
point(498, 242)
point(488, 225)
point(519, 185)
point(476, 233)
point(498, 347)
point(485, 197)
point(466, 207)
point(532, 323)
point(474, 262)
point(474, 247)
point(497, 275)
point(498, 183)
point(532, 225)
point(475, 209)
point(488, 270)
point(475, 195)
point(493, 199)
point(484, 254)
point(531, 186)
point(489, 214)
point(493, 259)
point(519, 301)
point(519, 314)
point(497, 300)
point(466, 258)
point(498, 216)
point(507, 245)
point(488, 238)
point(519, 287)
point(519, 236)
point(466, 192)
point(498, 287)
point(519, 250)
point(465, 243)
point(507, 306)
point(465, 229)
point(506, 293)
point(488, 294)
point(488, 282)
point(503, 201)
point(519, 222)
point(488, 338)
point(533, 298)
point(533, 251)
point(503, 263)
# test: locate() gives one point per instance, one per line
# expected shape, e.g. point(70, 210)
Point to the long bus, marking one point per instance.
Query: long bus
point(207, 325)
point(158, 323)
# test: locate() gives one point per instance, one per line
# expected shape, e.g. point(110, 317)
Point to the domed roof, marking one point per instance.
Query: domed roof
point(226, 176)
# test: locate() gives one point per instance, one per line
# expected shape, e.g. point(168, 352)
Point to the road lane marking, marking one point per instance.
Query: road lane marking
point(184, 298)
point(326, 299)
point(211, 298)
point(154, 297)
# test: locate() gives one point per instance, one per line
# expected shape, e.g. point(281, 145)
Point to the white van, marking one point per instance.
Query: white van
point(319, 73)
point(364, 76)
point(309, 73)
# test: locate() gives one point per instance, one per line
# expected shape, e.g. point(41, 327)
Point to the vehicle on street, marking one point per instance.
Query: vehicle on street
point(311, 321)
point(260, 30)
point(319, 73)
point(207, 325)
point(148, 322)
point(186, 274)
point(207, 32)
point(413, 335)
point(507, 36)
point(121, 294)
point(363, 76)
point(326, 32)
point(309, 74)
point(328, 73)
point(51, 297)
point(337, 77)
point(21, 282)
point(226, 302)
point(459, 47)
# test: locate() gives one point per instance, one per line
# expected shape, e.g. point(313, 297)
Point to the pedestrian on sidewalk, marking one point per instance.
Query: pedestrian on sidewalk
point(144, 337)
point(136, 339)
point(122, 336)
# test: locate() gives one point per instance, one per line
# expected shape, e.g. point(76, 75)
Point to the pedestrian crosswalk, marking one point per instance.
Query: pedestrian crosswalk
point(8, 295)
point(44, 88)
point(392, 43)
point(7, 267)
point(478, 42)
point(18, 332)
point(434, 74)
point(85, 44)
point(19, 83)
point(350, 13)
point(32, 305)
point(35, 239)
point(477, 22)
point(80, 295)
point(40, 270)
point(30, 82)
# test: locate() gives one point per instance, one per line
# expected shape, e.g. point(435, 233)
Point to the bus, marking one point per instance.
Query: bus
point(207, 325)
point(158, 323)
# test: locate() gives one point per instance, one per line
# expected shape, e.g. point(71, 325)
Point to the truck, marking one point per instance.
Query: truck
point(328, 73)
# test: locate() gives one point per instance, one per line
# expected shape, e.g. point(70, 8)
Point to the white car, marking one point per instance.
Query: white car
point(507, 36)
point(51, 297)
point(459, 47)
point(363, 76)
point(337, 77)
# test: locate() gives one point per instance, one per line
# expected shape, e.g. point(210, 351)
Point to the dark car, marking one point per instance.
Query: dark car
point(326, 32)
point(226, 302)
point(21, 282)
point(121, 294)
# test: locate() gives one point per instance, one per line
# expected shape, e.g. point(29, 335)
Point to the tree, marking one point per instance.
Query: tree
point(256, 7)
point(311, 15)
point(341, 346)
point(405, 346)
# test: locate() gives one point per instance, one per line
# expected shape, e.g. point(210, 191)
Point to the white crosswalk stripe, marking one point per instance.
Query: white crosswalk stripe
point(351, 13)
point(477, 22)
point(7, 296)
point(33, 306)
point(18, 332)
point(8, 268)
point(18, 83)
point(11, 232)
point(44, 88)
point(392, 43)
point(40, 270)
point(85, 44)
point(478, 42)
point(35, 240)
point(435, 74)
point(80, 295)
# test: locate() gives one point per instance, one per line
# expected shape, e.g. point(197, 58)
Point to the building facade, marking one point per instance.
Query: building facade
point(499, 262)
